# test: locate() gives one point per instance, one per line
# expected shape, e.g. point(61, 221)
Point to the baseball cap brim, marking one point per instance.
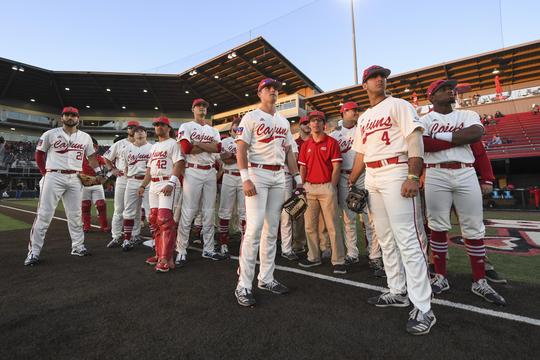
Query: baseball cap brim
point(451, 83)
point(270, 82)
point(377, 70)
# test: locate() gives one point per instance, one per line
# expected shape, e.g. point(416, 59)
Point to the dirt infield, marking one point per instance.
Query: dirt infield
point(111, 305)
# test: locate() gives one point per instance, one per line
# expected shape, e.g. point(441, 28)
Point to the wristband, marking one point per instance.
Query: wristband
point(97, 169)
point(445, 136)
point(413, 177)
point(297, 179)
point(244, 174)
point(173, 179)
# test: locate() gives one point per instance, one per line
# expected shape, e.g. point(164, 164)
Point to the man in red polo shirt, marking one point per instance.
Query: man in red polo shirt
point(320, 169)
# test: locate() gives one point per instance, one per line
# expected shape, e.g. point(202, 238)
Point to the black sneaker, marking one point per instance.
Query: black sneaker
point(244, 297)
point(494, 277)
point(31, 259)
point(274, 287)
point(80, 251)
point(307, 264)
point(389, 299)
point(289, 256)
point(350, 260)
point(420, 323)
point(127, 245)
point(439, 284)
point(213, 256)
point(482, 289)
point(114, 243)
point(340, 269)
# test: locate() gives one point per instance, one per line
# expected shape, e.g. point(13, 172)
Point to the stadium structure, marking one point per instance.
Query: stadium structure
point(501, 82)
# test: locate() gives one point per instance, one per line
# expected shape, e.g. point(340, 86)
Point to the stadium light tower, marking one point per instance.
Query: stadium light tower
point(354, 44)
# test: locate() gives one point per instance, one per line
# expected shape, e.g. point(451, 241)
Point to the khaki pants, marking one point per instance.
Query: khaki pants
point(322, 198)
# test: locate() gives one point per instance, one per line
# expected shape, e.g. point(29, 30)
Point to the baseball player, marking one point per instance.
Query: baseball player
point(162, 173)
point(320, 168)
point(263, 146)
point(94, 194)
point(390, 148)
point(231, 189)
point(136, 156)
point(345, 137)
point(59, 156)
point(451, 180)
point(114, 157)
point(200, 142)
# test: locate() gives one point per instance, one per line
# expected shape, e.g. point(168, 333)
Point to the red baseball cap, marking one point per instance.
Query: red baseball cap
point(348, 106)
point(269, 82)
point(437, 84)
point(133, 123)
point(318, 114)
point(162, 120)
point(70, 110)
point(199, 101)
point(374, 70)
point(304, 119)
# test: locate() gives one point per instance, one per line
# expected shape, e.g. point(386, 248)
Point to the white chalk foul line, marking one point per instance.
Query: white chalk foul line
point(451, 304)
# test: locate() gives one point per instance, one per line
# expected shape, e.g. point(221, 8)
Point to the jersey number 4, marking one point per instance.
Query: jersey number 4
point(385, 138)
point(161, 164)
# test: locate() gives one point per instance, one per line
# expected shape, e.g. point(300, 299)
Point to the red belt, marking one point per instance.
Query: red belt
point(450, 165)
point(266, 167)
point(63, 171)
point(161, 178)
point(197, 166)
point(346, 171)
point(384, 162)
point(138, 177)
point(234, 173)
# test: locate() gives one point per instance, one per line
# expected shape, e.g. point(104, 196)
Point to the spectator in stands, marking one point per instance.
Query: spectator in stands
point(535, 109)
point(498, 114)
point(491, 120)
point(20, 188)
point(506, 140)
point(495, 140)
point(475, 99)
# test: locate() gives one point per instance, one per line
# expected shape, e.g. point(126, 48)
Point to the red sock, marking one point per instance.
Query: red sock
point(477, 253)
point(223, 230)
point(86, 215)
point(128, 228)
point(439, 247)
point(102, 215)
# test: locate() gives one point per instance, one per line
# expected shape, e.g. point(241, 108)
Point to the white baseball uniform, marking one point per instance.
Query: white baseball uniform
point(115, 154)
point(267, 137)
point(163, 156)
point(136, 159)
point(286, 223)
point(199, 187)
point(380, 136)
point(65, 155)
point(459, 186)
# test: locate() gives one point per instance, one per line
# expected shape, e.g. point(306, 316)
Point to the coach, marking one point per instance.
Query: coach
point(320, 169)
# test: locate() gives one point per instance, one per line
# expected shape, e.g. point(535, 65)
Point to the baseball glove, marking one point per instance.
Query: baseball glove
point(88, 180)
point(357, 199)
point(296, 205)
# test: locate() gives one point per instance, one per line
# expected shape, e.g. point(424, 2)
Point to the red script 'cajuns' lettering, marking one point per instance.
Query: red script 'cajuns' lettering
point(132, 159)
point(202, 138)
point(438, 128)
point(372, 126)
point(65, 147)
point(262, 129)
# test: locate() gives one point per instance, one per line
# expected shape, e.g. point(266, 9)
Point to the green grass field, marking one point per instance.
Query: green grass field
point(516, 268)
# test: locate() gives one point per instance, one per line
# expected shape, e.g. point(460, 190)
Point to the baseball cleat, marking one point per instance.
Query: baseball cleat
point(244, 297)
point(420, 323)
point(31, 259)
point(274, 287)
point(213, 256)
point(349, 260)
point(152, 260)
point(127, 245)
point(162, 267)
point(439, 284)
point(80, 251)
point(289, 256)
point(389, 299)
point(307, 264)
point(181, 260)
point(494, 277)
point(482, 289)
point(340, 269)
point(115, 242)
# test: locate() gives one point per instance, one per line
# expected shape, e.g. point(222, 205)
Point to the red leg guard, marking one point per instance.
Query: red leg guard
point(102, 215)
point(439, 248)
point(477, 253)
point(154, 228)
point(86, 207)
point(128, 228)
point(167, 228)
point(223, 230)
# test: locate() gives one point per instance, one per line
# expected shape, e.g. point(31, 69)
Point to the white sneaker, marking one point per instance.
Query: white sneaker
point(181, 260)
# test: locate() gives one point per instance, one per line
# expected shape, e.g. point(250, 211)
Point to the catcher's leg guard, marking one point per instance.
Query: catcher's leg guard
point(86, 215)
point(154, 228)
point(128, 228)
point(223, 231)
point(168, 233)
point(101, 207)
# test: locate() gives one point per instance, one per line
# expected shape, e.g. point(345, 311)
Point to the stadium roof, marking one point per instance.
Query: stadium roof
point(517, 64)
point(228, 80)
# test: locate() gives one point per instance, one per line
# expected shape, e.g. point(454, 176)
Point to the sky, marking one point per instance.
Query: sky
point(167, 36)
